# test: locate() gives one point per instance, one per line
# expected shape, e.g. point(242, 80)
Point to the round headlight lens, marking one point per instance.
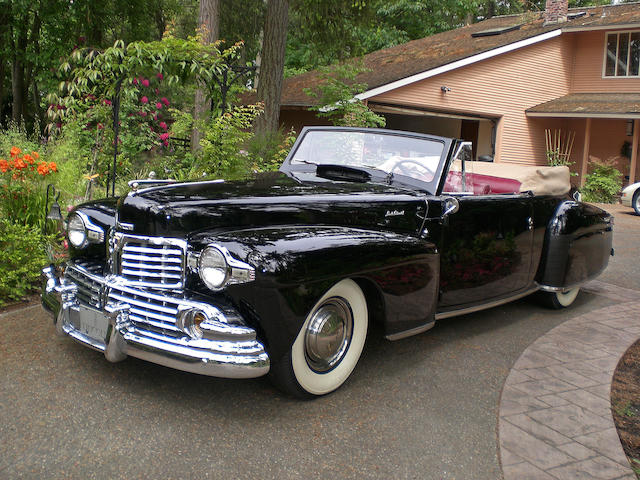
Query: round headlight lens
point(213, 268)
point(76, 231)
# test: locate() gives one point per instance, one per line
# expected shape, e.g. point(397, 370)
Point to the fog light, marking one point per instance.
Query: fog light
point(197, 319)
point(189, 321)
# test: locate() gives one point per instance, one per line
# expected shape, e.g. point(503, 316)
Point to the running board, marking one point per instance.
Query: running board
point(455, 313)
point(484, 306)
point(411, 332)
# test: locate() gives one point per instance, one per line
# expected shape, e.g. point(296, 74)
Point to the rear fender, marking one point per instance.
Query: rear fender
point(577, 246)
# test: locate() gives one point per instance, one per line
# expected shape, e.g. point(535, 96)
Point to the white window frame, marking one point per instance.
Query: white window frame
point(604, 63)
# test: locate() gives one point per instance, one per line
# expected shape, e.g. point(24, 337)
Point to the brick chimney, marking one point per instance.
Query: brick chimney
point(556, 11)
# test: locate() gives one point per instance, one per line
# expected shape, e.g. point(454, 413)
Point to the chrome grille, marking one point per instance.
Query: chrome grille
point(89, 286)
point(151, 262)
point(149, 311)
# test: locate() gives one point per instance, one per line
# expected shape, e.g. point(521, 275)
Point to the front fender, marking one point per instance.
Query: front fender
point(296, 265)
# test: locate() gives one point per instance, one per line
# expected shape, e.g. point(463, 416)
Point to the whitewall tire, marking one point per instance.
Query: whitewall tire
point(329, 344)
point(559, 300)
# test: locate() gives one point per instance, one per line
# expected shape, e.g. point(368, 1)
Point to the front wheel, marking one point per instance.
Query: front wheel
point(329, 344)
point(636, 201)
point(557, 300)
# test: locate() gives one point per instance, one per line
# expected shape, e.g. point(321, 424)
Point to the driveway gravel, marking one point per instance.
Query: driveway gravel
point(425, 407)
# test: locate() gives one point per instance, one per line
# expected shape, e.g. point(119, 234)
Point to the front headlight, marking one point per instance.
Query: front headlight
point(77, 231)
point(82, 231)
point(218, 268)
point(213, 268)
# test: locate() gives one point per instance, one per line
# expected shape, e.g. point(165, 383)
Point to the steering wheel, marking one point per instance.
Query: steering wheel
point(412, 168)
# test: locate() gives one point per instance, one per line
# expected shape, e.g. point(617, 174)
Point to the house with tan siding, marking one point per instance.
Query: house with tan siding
point(512, 85)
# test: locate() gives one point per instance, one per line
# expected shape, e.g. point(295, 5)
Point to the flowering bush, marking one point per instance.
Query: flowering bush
point(23, 180)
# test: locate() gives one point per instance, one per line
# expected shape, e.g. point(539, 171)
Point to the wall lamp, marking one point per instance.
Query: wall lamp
point(444, 89)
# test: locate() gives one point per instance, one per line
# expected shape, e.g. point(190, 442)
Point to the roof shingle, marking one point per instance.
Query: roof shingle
point(401, 61)
point(586, 104)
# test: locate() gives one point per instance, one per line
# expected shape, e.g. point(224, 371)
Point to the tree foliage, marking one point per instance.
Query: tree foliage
point(337, 100)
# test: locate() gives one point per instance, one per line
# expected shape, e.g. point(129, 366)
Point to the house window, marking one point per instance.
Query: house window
point(622, 55)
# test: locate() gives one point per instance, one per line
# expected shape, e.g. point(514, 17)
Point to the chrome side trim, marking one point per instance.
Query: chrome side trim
point(547, 288)
point(173, 185)
point(411, 332)
point(484, 306)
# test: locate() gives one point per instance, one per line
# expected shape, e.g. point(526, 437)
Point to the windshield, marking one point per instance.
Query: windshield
point(414, 157)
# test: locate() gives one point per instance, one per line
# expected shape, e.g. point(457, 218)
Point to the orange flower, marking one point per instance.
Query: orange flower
point(28, 158)
point(36, 155)
point(53, 167)
point(43, 168)
point(15, 151)
point(4, 165)
point(19, 164)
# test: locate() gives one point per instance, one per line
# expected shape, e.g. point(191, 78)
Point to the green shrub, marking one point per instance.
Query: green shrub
point(23, 253)
point(16, 135)
point(603, 183)
point(223, 154)
point(267, 151)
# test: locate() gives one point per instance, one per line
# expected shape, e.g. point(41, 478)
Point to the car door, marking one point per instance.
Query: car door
point(486, 249)
point(486, 245)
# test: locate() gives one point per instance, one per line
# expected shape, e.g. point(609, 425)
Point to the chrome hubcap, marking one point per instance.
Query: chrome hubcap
point(328, 335)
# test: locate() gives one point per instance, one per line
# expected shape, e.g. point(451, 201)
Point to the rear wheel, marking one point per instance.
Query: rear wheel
point(328, 346)
point(557, 300)
point(636, 201)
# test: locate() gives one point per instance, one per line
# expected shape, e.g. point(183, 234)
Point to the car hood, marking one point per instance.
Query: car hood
point(267, 199)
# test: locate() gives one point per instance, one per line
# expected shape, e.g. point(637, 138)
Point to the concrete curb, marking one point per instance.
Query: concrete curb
point(555, 417)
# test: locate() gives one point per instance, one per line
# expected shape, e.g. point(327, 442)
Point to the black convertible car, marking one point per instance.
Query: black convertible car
point(282, 274)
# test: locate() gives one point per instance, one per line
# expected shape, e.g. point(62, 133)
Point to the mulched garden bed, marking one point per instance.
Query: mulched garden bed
point(32, 299)
point(625, 404)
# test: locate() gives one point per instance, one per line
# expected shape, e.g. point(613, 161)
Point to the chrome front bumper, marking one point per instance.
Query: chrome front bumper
point(100, 317)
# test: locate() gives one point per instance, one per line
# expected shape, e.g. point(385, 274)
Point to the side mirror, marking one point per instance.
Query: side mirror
point(450, 205)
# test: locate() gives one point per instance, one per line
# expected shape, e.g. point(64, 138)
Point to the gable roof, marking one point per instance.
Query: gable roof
point(413, 61)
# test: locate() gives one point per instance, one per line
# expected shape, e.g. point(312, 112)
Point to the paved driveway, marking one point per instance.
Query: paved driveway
point(425, 407)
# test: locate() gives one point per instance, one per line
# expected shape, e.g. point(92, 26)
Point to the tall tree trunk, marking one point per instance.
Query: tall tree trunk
point(17, 73)
point(30, 68)
point(4, 56)
point(490, 9)
point(161, 23)
point(209, 22)
point(272, 68)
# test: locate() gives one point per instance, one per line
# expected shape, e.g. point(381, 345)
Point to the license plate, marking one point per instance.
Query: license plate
point(93, 324)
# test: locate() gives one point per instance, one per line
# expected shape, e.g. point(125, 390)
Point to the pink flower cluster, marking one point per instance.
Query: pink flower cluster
point(154, 116)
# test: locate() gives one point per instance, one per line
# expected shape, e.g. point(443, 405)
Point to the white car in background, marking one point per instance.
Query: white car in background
point(631, 197)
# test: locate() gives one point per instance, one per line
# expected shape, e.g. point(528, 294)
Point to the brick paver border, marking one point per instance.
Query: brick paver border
point(555, 417)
